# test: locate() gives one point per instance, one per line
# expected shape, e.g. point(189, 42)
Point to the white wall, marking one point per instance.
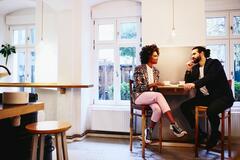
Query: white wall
point(70, 30)
point(47, 50)
point(121, 8)
point(2, 35)
point(2, 28)
point(214, 5)
point(189, 22)
point(172, 60)
point(21, 17)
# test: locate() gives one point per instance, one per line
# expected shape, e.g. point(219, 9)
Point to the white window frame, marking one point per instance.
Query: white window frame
point(116, 44)
point(233, 13)
point(232, 42)
point(96, 89)
point(118, 96)
point(27, 48)
point(225, 42)
point(219, 14)
point(104, 21)
point(126, 20)
point(229, 40)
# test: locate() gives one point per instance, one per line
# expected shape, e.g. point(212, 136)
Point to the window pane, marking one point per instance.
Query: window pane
point(32, 66)
point(106, 32)
point(237, 70)
point(128, 30)
point(216, 26)
point(32, 71)
point(32, 38)
point(218, 51)
point(19, 37)
point(106, 73)
point(127, 62)
point(236, 25)
point(21, 68)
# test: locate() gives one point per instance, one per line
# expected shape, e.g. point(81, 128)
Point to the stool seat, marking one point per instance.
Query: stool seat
point(43, 128)
point(48, 127)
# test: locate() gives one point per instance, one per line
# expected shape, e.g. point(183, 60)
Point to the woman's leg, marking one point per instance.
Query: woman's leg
point(155, 115)
point(150, 98)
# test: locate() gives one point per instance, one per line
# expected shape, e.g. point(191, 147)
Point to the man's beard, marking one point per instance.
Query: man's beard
point(197, 60)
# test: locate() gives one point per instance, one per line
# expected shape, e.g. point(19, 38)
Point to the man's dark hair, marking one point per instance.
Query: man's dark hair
point(204, 50)
point(147, 52)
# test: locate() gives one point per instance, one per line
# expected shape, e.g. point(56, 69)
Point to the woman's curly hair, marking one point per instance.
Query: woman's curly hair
point(147, 52)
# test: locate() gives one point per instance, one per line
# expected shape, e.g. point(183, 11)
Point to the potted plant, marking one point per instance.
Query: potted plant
point(7, 50)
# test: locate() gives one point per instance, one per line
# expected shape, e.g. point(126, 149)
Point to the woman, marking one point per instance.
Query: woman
point(146, 78)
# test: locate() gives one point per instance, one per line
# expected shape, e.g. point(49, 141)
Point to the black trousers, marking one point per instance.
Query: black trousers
point(215, 106)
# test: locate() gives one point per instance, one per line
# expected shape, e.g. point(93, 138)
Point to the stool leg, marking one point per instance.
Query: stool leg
point(160, 134)
point(229, 134)
point(58, 146)
point(131, 129)
point(64, 145)
point(196, 132)
point(34, 147)
point(42, 142)
point(143, 133)
point(222, 135)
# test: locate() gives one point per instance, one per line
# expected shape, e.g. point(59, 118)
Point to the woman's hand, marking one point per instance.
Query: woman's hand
point(159, 84)
point(189, 86)
point(155, 85)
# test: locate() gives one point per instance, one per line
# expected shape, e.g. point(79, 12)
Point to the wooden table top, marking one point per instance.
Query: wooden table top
point(61, 86)
point(7, 111)
point(173, 90)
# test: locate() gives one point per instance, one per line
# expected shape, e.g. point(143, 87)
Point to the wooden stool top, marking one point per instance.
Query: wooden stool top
point(48, 127)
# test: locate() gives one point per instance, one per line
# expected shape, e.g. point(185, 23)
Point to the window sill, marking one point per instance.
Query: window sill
point(110, 107)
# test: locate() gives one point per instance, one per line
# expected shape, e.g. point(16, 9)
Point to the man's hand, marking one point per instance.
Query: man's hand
point(189, 65)
point(189, 86)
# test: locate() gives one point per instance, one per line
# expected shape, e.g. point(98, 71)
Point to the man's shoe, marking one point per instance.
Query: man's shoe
point(213, 140)
point(148, 135)
point(177, 131)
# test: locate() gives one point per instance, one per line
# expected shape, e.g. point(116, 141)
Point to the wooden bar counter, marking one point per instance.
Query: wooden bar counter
point(8, 111)
point(15, 140)
point(61, 86)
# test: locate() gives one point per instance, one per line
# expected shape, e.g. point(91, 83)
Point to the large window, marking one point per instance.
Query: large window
point(23, 37)
point(223, 38)
point(116, 44)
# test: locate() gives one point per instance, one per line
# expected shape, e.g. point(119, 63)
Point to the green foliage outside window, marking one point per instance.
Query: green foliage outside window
point(125, 92)
point(128, 51)
point(237, 90)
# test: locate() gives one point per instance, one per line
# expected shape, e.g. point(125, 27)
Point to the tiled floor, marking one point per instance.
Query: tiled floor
point(93, 148)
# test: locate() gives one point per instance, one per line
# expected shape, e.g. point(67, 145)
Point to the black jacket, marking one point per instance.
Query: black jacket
point(214, 79)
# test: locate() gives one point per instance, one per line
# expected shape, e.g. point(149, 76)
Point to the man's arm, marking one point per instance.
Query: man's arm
point(213, 70)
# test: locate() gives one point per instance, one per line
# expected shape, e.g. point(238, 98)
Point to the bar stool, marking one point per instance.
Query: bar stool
point(145, 109)
point(55, 128)
point(200, 112)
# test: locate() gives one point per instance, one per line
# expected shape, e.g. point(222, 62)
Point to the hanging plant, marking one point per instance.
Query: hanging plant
point(7, 50)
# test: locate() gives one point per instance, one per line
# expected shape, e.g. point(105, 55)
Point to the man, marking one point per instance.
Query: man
point(207, 76)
